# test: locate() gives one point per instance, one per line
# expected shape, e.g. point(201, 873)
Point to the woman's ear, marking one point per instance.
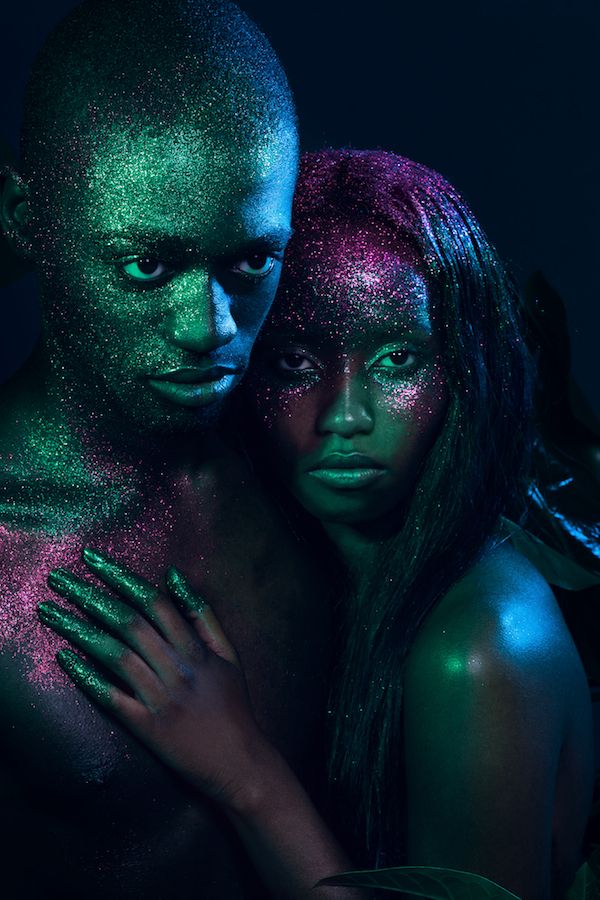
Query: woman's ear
point(14, 212)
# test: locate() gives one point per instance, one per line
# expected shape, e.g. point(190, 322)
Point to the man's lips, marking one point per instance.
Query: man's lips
point(194, 386)
point(195, 374)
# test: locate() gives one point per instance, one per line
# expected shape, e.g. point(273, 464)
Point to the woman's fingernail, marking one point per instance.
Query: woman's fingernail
point(92, 556)
point(49, 611)
point(180, 587)
point(59, 577)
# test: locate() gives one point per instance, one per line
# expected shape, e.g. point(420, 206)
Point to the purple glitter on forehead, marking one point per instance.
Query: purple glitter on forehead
point(351, 274)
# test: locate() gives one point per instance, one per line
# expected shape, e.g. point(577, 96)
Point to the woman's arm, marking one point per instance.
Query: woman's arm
point(185, 698)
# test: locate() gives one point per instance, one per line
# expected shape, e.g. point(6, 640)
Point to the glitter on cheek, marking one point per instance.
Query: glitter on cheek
point(419, 397)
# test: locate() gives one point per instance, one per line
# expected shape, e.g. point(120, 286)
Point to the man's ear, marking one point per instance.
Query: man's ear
point(14, 212)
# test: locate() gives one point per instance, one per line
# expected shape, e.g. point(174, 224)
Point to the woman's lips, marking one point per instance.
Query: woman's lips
point(194, 386)
point(347, 471)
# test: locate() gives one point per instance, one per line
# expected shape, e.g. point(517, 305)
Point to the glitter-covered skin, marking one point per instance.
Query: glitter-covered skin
point(168, 264)
point(157, 228)
point(350, 365)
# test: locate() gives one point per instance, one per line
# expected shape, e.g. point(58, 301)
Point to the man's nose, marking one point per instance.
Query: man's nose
point(201, 318)
point(350, 411)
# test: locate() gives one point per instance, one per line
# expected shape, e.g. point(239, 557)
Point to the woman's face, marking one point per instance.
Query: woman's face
point(347, 377)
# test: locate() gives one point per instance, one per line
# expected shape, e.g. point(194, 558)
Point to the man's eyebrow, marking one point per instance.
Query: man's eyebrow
point(275, 238)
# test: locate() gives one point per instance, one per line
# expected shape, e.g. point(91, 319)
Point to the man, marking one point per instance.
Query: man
point(158, 161)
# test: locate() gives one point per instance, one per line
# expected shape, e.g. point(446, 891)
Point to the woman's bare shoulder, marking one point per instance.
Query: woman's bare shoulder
point(496, 726)
point(498, 639)
point(501, 611)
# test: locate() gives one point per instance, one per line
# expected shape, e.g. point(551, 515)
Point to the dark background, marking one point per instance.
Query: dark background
point(501, 97)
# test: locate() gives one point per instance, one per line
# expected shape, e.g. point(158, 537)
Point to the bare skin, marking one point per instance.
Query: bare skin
point(145, 270)
point(186, 698)
point(352, 390)
point(496, 717)
point(104, 816)
point(498, 732)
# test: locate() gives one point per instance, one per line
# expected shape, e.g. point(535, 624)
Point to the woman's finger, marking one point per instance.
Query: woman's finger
point(111, 612)
point(137, 590)
point(108, 695)
point(204, 620)
point(124, 622)
point(105, 649)
point(146, 598)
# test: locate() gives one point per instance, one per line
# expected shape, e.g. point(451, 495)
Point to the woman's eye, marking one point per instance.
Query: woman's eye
point(256, 266)
point(294, 362)
point(396, 360)
point(146, 269)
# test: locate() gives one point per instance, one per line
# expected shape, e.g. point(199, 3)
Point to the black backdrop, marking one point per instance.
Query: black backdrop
point(501, 97)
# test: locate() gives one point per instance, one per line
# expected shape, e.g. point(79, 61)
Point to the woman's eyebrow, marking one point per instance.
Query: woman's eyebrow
point(314, 332)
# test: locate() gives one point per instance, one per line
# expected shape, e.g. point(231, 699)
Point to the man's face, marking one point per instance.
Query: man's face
point(159, 263)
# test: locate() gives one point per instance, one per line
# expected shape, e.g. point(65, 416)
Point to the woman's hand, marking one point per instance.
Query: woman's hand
point(183, 692)
point(185, 697)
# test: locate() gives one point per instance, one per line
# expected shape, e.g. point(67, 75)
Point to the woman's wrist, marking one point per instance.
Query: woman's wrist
point(288, 842)
point(265, 778)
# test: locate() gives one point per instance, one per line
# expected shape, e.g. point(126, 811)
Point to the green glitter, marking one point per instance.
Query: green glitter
point(180, 588)
point(85, 676)
point(132, 587)
point(91, 599)
point(179, 149)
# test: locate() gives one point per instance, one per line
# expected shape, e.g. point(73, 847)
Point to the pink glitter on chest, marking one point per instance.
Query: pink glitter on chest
point(26, 561)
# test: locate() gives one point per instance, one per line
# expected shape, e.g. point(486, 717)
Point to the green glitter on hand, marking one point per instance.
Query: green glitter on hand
point(91, 599)
point(133, 588)
point(180, 589)
point(85, 677)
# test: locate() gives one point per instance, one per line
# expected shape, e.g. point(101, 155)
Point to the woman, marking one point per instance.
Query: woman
point(391, 392)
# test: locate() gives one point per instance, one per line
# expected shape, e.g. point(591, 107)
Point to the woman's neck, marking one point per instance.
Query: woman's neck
point(359, 544)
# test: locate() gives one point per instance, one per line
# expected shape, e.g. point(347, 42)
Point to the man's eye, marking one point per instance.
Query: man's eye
point(258, 265)
point(396, 360)
point(294, 362)
point(146, 269)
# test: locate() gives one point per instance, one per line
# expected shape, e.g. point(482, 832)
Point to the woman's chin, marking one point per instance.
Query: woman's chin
point(355, 511)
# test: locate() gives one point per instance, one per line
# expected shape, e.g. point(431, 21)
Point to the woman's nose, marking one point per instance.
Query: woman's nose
point(349, 412)
point(201, 318)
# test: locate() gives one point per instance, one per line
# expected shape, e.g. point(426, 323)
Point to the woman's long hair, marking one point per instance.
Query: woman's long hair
point(474, 472)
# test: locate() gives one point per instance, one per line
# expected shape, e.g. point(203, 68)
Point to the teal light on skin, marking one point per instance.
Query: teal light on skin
point(210, 225)
point(520, 629)
point(350, 362)
point(162, 260)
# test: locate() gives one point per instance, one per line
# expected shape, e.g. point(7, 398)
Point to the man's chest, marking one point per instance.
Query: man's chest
point(72, 770)
point(235, 550)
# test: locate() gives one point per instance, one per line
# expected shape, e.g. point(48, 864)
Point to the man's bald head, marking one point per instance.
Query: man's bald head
point(131, 64)
point(159, 156)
